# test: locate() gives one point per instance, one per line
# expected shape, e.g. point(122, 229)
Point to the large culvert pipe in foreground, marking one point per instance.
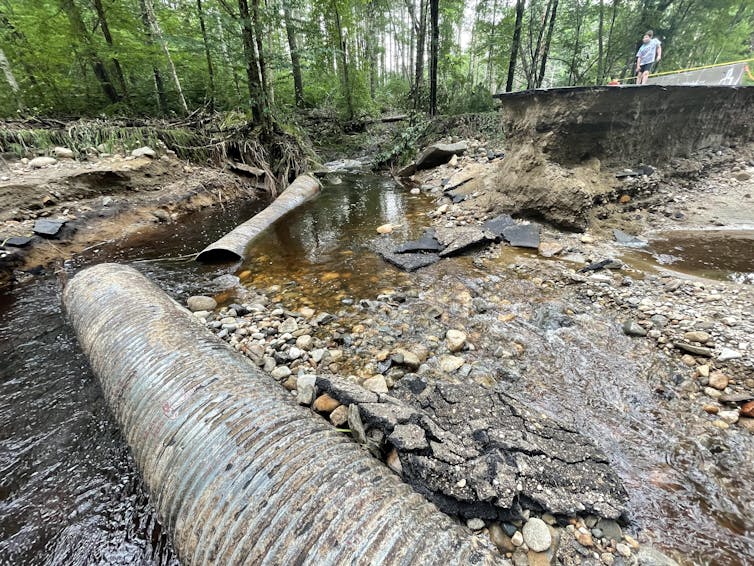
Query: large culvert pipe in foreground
point(238, 473)
point(232, 246)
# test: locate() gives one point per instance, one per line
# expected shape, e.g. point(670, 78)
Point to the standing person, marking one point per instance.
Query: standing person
point(648, 55)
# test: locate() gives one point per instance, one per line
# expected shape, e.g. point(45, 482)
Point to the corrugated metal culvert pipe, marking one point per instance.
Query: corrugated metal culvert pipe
point(232, 246)
point(238, 472)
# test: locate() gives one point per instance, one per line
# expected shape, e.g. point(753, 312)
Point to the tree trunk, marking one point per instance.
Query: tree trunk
point(343, 56)
point(515, 44)
point(434, 11)
point(210, 70)
point(491, 44)
point(82, 34)
point(600, 46)
point(5, 65)
point(157, 32)
point(256, 94)
point(298, 85)
point(159, 84)
point(258, 35)
point(420, 26)
point(546, 47)
point(109, 39)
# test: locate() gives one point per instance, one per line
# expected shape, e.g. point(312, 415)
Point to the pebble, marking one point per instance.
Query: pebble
point(537, 535)
point(500, 539)
point(456, 340)
point(304, 342)
point(201, 303)
point(376, 384)
point(703, 370)
point(475, 524)
point(449, 364)
point(718, 380)
point(623, 549)
point(339, 416)
point(730, 417)
point(280, 372)
point(326, 404)
point(727, 354)
point(517, 539)
point(633, 328)
point(696, 336)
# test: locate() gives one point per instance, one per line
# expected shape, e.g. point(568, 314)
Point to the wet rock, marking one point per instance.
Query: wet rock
point(201, 303)
point(603, 264)
point(144, 151)
point(39, 162)
point(537, 535)
point(649, 556)
point(633, 328)
point(691, 349)
point(385, 228)
point(427, 243)
point(225, 282)
point(407, 171)
point(549, 249)
point(625, 239)
point(498, 224)
point(461, 238)
point(405, 261)
point(523, 235)
point(48, 228)
point(438, 154)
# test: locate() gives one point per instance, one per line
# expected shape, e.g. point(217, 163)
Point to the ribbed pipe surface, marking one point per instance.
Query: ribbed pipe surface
point(233, 245)
point(238, 472)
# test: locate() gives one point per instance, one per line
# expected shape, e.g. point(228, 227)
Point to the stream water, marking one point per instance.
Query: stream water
point(69, 490)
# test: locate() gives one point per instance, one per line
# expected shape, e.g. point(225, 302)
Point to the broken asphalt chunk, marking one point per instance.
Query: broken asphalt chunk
point(522, 235)
point(48, 228)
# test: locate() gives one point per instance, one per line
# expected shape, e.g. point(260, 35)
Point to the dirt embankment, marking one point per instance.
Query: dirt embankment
point(99, 201)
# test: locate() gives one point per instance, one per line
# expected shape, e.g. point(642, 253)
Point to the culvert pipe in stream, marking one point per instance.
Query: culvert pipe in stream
point(238, 473)
point(232, 246)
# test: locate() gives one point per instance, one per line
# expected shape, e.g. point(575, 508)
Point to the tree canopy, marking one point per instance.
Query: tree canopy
point(352, 58)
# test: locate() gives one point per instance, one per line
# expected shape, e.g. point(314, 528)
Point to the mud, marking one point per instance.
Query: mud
point(101, 202)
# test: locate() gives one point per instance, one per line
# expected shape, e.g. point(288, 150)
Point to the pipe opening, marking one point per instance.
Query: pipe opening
point(218, 255)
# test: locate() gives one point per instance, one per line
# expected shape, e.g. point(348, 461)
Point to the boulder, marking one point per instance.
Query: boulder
point(144, 151)
point(63, 153)
point(439, 153)
point(39, 162)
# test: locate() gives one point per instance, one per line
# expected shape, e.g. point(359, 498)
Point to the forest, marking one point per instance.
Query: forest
point(350, 59)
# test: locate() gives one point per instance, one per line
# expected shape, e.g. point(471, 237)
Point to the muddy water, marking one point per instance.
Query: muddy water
point(69, 493)
point(713, 254)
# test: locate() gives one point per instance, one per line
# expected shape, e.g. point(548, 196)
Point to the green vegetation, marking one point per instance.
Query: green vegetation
point(348, 58)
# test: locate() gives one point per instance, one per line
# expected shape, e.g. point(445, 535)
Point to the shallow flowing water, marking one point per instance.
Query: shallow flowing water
point(69, 492)
point(713, 254)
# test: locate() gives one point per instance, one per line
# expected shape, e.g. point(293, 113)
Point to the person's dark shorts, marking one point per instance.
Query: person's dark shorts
point(647, 67)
